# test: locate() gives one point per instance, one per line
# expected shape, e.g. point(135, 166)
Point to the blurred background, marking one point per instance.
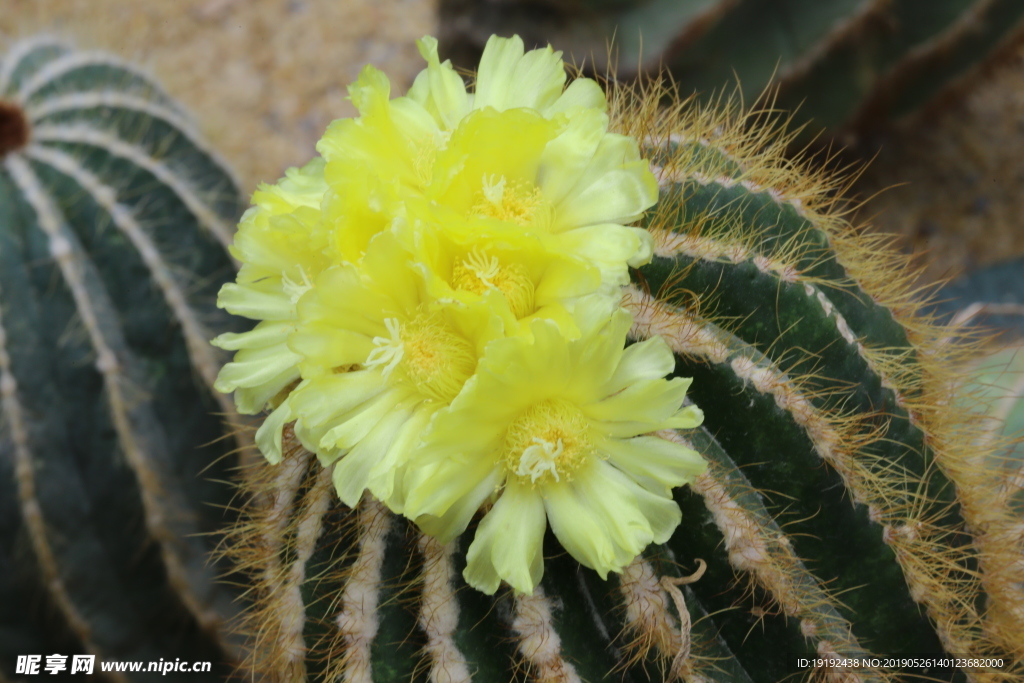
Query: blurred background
point(928, 95)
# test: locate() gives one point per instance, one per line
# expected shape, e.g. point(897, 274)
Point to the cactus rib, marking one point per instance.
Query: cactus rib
point(110, 257)
point(30, 510)
point(114, 361)
point(203, 356)
point(538, 642)
point(190, 196)
point(439, 613)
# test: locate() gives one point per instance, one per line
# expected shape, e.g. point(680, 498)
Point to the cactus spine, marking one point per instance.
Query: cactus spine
point(113, 221)
point(846, 510)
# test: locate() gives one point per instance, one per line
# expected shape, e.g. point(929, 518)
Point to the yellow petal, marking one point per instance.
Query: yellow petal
point(508, 543)
point(447, 91)
point(509, 78)
point(659, 465)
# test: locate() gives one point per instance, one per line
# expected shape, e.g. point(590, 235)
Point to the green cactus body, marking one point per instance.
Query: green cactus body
point(846, 64)
point(846, 510)
point(113, 222)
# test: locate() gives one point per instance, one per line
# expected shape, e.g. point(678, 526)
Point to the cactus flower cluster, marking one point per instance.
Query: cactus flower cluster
point(439, 297)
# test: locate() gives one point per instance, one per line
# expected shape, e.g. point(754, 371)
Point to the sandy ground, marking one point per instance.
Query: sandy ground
point(264, 77)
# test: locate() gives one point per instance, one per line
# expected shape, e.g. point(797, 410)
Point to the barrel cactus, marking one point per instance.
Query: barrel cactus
point(842, 508)
point(114, 217)
point(847, 64)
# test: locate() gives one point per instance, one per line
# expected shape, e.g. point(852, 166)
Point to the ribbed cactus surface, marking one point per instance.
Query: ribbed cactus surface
point(846, 64)
point(847, 509)
point(113, 220)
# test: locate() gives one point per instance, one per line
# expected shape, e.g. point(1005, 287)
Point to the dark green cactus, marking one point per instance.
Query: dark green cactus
point(113, 221)
point(848, 508)
point(847, 65)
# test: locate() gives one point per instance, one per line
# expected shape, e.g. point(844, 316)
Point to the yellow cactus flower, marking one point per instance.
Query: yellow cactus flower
point(280, 247)
point(510, 270)
point(522, 150)
point(558, 431)
point(434, 225)
point(379, 359)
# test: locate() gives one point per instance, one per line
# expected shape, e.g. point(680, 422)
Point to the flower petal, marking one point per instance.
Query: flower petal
point(649, 402)
point(447, 91)
point(508, 543)
point(582, 93)
point(445, 527)
point(646, 360)
point(356, 425)
point(509, 78)
point(604, 519)
point(256, 305)
point(581, 530)
point(352, 472)
point(617, 186)
point(657, 464)
point(271, 432)
point(387, 475)
point(434, 488)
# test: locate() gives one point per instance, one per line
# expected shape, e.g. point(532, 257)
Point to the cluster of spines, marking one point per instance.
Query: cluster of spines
point(112, 192)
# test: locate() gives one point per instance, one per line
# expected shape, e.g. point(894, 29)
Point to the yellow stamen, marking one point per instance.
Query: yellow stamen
point(389, 350)
point(516, 202)
point(424, 353)
point(548, 441)
point(477, 273)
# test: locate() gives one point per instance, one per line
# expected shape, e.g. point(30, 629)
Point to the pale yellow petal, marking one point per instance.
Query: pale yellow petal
point(354, 426)
point(509, 78)
point(605, 520)
point(447, 91)
point(647, 360)
point(659, 465)
point(271, 432)
point(508, 543)
point(582, 93)
point(352, 472)
point(256, 305)
point(478, 486)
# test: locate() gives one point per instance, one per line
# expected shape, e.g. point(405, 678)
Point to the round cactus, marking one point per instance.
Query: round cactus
point(114, 217)
point(846, 510)
point(847, 64)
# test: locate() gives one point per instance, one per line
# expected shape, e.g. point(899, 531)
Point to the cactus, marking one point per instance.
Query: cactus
point(848, 65)
point(845, 512)
point(113, 221)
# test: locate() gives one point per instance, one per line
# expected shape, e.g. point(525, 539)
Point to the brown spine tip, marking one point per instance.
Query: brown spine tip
point(14, 128)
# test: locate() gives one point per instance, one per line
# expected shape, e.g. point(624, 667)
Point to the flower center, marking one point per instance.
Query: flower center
point(426, 353)
point(478, 272)
point(546, 442)
point(515, 202)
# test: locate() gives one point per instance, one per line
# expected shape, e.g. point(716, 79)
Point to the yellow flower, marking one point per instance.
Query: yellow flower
point(508, 270)
point(522, 150)
point(436, 225)
point(280, 247)
point(557, 430)
point(379, 359)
